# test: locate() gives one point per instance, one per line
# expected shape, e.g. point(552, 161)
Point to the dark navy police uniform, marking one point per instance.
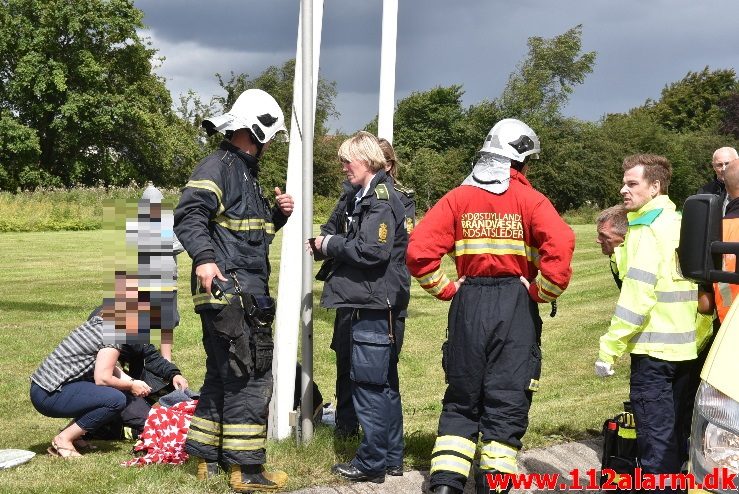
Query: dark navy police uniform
point(370, 282)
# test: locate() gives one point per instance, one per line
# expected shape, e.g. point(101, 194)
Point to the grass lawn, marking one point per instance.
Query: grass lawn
point(53, 280)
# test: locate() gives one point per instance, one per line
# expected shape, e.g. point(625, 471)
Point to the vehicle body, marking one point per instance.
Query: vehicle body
point(714, 439)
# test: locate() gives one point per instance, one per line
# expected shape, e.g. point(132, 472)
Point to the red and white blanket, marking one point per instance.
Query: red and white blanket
point(163, 438)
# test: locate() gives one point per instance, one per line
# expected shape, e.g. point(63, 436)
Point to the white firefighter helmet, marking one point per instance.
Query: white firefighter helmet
point(255, 110)
point(512, 139)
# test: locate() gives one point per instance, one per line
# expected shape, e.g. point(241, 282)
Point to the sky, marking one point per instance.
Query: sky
point(641, 46)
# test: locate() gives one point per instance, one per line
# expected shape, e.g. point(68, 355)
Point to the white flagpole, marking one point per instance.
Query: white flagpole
point(290, 299)
point(306, 387)
point(387, 69)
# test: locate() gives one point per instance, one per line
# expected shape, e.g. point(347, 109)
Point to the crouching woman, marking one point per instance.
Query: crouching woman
point(80, 379)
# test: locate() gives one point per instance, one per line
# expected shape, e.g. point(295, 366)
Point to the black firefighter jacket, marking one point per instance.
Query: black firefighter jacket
point(369, 259)
point(223, 217)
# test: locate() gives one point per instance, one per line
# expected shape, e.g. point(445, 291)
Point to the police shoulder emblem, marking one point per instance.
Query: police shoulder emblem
point(382, 233)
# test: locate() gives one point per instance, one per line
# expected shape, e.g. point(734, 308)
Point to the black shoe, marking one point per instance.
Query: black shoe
point(395, 471)
point(481, 478)
point(350, 472)
point(445, 489)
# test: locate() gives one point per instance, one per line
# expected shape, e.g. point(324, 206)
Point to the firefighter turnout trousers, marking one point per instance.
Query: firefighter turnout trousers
point(492, 363)
point(376, 391)
point(230, 421)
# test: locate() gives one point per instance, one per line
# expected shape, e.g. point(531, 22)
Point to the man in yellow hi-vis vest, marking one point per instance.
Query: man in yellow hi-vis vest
point(656, 318)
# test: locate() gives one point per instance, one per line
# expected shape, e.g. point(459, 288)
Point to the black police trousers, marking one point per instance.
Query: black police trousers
point(492, 364)
point(230, 421)
point(660, 392)
point(341, 343)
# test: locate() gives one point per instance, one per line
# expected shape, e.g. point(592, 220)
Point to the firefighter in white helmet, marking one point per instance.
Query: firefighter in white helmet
point(512, 250)
point(226, 225)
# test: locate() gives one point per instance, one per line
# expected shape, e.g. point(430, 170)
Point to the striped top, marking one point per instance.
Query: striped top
point(74, 358)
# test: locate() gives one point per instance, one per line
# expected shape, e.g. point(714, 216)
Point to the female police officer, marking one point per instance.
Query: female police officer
point(369, 276)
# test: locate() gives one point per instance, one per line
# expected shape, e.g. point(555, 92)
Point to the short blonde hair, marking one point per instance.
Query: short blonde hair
point(364, 147)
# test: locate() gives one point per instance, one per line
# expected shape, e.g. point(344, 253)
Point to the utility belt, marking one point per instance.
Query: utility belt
point(246, 322)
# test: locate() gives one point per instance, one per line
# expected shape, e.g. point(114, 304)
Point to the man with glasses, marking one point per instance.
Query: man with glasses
point(721, 157)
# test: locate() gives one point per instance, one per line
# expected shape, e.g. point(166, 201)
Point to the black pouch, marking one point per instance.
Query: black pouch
point(325, 270)
point(260, 309)
point(370, 357)
point(263, 348)
point(230, 324)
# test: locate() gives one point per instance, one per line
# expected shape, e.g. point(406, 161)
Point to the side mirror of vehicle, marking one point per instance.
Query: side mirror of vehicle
point(701, 247)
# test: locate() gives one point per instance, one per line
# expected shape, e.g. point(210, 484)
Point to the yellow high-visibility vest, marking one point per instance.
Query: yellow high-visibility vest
point(657, 311)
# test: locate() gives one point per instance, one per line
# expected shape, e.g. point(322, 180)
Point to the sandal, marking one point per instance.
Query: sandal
point(61, 452)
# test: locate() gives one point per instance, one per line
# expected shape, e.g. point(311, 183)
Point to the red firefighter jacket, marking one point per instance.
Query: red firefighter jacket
point(517, 233)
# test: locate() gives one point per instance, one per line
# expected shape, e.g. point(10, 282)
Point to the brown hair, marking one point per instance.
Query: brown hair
point(390, 158)
point(655, 168)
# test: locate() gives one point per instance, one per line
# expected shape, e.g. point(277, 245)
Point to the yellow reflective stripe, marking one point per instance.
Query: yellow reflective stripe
point(433, 282)
point(503, 465)
point(245, 429)
point(203, 438)
point(498, 456)
point(204, 298)
point(235, 444)
point(471, 246)
point(269, 228)
point(211, 186)
point(495, 449)
point(431, 278)
point(547, 285)
point(437, 289)
point(451, 463)
point(245, 224)
point(206, 425)
point(455, 443)
point(544, 296)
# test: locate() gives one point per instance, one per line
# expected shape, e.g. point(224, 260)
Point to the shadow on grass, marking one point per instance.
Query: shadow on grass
point(102, 447)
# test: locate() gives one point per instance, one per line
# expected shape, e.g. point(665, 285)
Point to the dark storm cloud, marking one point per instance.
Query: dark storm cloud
point(641, 45)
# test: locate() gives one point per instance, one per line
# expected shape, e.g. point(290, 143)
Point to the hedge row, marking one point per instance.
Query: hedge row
point(82, 208)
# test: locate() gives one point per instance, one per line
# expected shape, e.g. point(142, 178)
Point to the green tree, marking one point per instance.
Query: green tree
point(730, 114)
point(544, 81)
point(19, 152)
point(81, 77)
point(430, 119)
point(691, 104)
